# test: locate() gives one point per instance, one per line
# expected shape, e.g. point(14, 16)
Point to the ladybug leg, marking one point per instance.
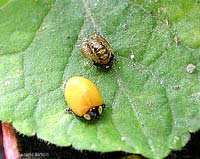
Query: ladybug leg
point(103, 105)
point(68, 111)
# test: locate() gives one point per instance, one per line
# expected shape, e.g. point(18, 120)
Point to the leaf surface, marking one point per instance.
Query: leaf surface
point(152, 102)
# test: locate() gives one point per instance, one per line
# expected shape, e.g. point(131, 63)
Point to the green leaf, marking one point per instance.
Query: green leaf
point(152, 102)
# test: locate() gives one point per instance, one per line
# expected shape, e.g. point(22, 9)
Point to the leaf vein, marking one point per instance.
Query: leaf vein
point(132, 102)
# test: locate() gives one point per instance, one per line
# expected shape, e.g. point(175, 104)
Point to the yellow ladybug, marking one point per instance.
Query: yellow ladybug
point(83, 98)
point(98, 50)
